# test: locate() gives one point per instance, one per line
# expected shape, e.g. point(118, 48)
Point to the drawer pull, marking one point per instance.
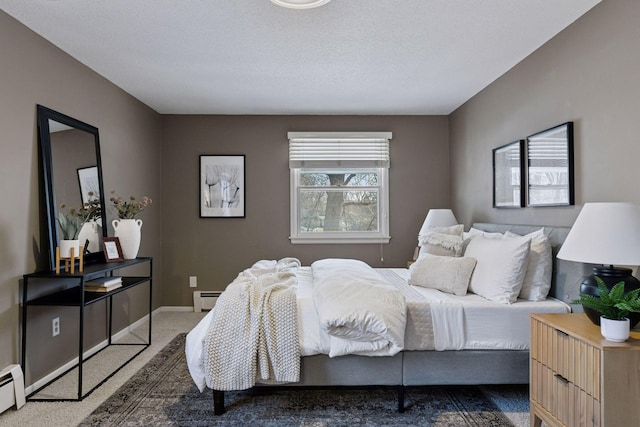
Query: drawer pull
point(564, 334)
point(561, 378)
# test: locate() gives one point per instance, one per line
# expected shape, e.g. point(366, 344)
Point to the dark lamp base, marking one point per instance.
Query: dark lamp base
point(610, 276)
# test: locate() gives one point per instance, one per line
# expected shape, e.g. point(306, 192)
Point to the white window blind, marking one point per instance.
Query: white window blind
point(339, 149)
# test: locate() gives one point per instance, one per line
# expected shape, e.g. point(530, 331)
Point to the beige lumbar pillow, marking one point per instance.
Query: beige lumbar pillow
point(444, 273)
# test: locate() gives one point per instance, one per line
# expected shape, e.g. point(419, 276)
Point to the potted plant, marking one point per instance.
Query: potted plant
point(614, 306)
point(70, 224)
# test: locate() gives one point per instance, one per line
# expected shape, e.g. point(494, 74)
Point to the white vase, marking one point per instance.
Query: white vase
point(91, 231)
point(615, 330)
point(128, 232)
point(65, 248)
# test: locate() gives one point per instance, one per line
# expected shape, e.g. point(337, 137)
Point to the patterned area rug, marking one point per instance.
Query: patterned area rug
point(163, 393)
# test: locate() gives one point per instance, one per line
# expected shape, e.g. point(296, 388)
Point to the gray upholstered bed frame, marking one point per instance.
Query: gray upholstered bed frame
point(421, 368)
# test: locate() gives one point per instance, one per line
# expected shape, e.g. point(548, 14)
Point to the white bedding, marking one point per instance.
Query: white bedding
point(459, 322)
point(362, 312)
point(486, 325)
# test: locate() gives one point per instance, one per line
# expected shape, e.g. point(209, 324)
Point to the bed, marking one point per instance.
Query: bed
point(492, 348)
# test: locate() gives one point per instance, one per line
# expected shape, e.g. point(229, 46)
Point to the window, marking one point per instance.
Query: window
point(339, 187)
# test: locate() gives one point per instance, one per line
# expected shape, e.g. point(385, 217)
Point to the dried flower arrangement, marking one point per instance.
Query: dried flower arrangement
point(129, 209)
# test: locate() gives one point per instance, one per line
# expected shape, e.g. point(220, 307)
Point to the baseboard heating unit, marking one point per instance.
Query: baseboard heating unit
point(11, 388)
point(204, 300)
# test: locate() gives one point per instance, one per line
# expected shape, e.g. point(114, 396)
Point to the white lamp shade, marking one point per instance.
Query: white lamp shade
point(438, 218)
point(604, 233)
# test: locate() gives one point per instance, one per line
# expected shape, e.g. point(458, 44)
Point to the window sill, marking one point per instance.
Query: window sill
point(323, 240)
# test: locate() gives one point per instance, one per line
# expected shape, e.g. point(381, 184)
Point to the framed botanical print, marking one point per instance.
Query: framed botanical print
point(550, 167)
point(222, 186)
point(508, 175)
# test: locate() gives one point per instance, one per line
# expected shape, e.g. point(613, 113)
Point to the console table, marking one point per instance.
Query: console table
point(75, 295)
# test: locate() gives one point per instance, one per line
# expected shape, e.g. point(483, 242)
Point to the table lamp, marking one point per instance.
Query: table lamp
point(438, 218)
point(607, 234)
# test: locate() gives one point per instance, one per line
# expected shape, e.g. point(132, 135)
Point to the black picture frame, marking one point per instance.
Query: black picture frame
point(222, 186)
point(112, 249)
point(509, 175)
point(550, 167)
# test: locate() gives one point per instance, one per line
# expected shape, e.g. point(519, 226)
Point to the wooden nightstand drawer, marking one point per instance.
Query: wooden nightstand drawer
point(565, 401)
point(580, 379)
point(567, 356)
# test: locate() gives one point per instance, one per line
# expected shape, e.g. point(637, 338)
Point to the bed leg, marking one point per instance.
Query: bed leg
point(218, 402)
point(401, 398)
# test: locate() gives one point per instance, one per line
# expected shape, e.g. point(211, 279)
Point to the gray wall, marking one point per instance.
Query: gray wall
point(33, 71)
point(217, 249)
point(588, 74)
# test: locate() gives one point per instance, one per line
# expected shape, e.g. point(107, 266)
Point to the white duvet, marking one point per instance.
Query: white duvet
point(361, 312)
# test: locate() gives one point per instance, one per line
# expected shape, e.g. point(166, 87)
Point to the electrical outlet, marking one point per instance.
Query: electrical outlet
point(193, 281)
point(55, 327)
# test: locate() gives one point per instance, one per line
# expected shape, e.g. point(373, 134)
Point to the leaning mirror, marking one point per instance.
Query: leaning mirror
point(72, 172)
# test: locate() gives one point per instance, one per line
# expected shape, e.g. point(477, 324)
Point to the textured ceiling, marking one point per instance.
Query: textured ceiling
point(254, 57)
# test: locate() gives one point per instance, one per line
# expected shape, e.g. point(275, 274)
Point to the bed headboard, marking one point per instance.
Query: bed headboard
point(567, 276)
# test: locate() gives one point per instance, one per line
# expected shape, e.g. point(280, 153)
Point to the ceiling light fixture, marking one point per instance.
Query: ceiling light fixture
point(300, 4)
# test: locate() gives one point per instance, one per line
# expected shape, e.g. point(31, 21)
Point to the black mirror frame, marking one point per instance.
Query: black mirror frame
point(44, 137)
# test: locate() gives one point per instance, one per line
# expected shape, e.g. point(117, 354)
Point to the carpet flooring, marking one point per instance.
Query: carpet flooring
point(163, 393)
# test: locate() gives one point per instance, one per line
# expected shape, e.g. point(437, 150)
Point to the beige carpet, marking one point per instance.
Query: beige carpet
point(166, 326)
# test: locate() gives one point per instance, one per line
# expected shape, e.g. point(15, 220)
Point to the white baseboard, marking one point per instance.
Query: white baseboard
point(72, 363)
point(175, 308)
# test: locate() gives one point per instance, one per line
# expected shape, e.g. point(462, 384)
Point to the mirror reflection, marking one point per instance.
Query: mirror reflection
point(72, 171)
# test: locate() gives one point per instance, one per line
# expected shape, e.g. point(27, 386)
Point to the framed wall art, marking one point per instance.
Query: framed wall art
point(550, 167)
point(508, 175)
point(222, 186)
point(89, 183)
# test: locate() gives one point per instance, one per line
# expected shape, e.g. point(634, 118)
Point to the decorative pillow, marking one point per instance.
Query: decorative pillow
point(446, 274)
point(474, 232)
point(537, 279)
point(501, 267)
point(441, 244)
point(443, 241)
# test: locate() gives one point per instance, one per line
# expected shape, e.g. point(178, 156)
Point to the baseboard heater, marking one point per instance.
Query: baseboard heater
point(204, 300)
point(11, 388)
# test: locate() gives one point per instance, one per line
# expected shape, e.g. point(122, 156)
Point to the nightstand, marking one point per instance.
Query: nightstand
point(578, 378)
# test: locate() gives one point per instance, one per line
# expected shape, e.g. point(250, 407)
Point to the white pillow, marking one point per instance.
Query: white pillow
point(474, 232)
point(537, 279)
point(441, 244)
point(442, 241)
point(501, 267)
point(446, 274)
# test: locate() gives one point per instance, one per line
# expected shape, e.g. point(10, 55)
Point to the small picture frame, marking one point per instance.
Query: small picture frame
point(112, 249)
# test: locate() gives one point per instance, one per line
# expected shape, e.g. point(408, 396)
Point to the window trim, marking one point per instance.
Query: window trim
point(343, 237)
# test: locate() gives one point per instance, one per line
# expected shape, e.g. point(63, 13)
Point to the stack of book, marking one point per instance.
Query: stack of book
point(103, 284)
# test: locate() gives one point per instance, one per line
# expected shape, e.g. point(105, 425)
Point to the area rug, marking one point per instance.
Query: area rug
point(163, 393)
